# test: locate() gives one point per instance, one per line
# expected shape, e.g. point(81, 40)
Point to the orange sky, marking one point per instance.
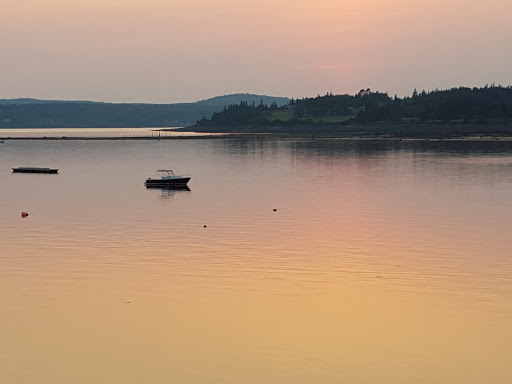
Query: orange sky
point(185, 50)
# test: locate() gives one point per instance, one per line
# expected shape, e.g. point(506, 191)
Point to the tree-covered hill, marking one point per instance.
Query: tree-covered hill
point(458, 105)
point(249, 98)
point(33, 113)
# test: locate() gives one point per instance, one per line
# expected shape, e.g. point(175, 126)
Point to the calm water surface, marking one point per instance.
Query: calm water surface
point(385, 262)
point(93, 132)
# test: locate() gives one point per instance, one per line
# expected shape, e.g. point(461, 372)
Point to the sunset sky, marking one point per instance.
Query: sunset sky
point(167, 51)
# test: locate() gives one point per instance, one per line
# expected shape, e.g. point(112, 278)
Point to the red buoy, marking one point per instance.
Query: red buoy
point(24, 214)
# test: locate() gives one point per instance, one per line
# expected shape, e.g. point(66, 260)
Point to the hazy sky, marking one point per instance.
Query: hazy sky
point(185, 50)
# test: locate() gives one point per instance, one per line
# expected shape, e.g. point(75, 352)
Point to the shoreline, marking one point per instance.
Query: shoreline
point(495, 131)
point(362, 137)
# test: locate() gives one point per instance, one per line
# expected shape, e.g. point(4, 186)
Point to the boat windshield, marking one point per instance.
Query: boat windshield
point(166, 172)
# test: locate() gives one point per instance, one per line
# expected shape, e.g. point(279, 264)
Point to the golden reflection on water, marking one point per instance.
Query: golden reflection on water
point(387, 264)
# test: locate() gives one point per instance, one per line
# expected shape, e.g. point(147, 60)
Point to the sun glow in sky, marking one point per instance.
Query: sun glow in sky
point(185, 50)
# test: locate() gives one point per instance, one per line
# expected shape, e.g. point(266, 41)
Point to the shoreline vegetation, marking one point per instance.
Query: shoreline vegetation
point(457, 112)
point(454, 114)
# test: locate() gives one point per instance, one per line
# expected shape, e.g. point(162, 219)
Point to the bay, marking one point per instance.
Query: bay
point(322, 261)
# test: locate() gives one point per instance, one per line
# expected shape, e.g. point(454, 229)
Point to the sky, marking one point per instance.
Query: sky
point(168, 51)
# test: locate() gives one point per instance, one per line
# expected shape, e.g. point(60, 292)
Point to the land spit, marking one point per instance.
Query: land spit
point(425, 137)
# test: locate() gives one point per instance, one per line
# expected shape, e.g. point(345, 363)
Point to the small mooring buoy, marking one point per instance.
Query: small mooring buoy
point(204, 226)
point(275, 210)
point(24, 214)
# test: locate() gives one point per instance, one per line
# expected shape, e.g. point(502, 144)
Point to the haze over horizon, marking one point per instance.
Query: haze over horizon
point(169, 51)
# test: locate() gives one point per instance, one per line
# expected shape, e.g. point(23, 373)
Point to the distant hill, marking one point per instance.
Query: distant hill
point(224, 101)
point(37, 101)
point(457, 109)
point(34, 113)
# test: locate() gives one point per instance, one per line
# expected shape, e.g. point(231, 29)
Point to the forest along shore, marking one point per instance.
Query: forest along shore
point(437, 114)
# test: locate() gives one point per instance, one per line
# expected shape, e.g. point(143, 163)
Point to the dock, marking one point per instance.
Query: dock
point(34, 170)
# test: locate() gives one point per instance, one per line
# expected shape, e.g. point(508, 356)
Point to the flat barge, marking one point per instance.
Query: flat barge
point(34, 170)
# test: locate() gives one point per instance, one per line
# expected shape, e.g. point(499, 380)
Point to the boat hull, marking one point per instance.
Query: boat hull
point(34, 170)
point(181, 182)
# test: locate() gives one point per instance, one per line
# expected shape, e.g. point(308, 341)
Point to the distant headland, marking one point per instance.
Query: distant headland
point(34, 113)
point(436, 114)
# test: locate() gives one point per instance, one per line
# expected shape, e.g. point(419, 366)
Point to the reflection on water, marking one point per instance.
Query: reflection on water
point(290, 261)
point(168, 192)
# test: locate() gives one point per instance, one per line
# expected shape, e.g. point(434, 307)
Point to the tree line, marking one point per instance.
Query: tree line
point(462, 104)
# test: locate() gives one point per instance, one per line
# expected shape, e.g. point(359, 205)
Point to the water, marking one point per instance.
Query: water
point(94, 132)
point(384, 262)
